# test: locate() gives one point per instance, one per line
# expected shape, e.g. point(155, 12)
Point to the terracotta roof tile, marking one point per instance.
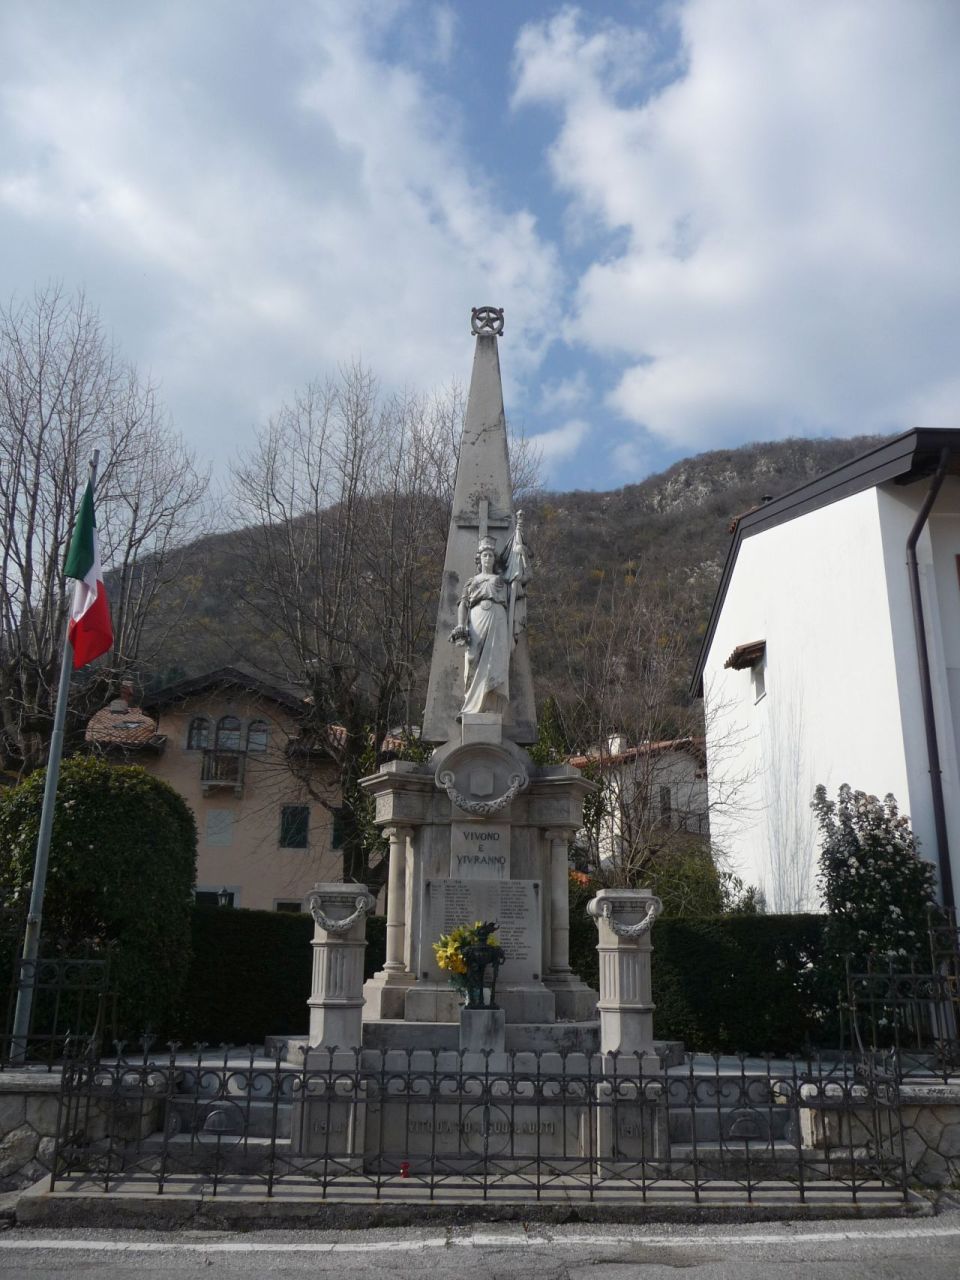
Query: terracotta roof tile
point(694, 745)
point(118, 725)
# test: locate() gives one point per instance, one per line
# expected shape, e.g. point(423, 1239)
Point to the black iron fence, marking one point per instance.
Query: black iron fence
point(72, 1003)
point(911, 1014)
point(438, 1125)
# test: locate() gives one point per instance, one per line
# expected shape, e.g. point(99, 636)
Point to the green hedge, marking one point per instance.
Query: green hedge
point(121, 874)
point(250, 975)
point(723, 984)
point(732, 983)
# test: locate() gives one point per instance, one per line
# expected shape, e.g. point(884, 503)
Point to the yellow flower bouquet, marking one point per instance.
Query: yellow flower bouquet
point(450, 952)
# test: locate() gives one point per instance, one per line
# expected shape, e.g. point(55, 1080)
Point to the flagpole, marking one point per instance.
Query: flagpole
point(31, 936)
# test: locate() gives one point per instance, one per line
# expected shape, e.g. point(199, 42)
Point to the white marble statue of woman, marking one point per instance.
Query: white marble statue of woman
point(490, 618)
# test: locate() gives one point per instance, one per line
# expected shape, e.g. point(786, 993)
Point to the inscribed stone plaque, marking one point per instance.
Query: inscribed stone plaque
point(513, 904)
point(480, 850)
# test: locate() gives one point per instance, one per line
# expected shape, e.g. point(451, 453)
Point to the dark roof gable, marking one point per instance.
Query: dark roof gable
point(222, 678)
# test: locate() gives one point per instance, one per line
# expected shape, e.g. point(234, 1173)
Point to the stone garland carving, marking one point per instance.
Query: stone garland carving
point(480, 808)
point(363, 903)
point(654, 907)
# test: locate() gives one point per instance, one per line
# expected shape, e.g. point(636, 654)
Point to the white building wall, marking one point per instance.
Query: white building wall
point(815, 589)
point(937, 552)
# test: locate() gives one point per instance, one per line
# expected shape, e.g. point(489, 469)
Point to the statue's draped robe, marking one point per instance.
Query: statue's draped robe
point(487, 597)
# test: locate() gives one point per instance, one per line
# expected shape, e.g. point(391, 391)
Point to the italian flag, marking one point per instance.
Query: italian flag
point(90, 630)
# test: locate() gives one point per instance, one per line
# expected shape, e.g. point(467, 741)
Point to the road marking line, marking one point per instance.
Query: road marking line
point(477, 1241)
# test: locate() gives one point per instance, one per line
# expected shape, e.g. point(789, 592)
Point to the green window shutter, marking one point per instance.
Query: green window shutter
point(338, 833)
point(294, 826)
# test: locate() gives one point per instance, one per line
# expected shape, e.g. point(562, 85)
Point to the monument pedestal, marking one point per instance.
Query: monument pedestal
point(624, 919)
point(482, 1031)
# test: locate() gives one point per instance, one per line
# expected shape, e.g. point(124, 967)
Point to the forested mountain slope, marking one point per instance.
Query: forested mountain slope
point(669, 533)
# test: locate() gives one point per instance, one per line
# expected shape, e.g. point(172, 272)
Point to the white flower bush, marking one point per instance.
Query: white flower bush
point(875, 886)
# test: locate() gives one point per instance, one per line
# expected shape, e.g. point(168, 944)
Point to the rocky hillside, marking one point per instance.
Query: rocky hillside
point(673, 527)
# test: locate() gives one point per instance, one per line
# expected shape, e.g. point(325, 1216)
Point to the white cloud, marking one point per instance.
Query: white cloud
point(560, 443)
point(268, 195)
point(783, 213)
point(565, 393)
point(631, 461)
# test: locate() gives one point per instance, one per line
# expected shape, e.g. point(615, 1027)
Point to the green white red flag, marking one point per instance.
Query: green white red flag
point(90, 629)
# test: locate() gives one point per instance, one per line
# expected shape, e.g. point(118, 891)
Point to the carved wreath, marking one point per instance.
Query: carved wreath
point(480, 808)
point(654, 907)
point(363, 904)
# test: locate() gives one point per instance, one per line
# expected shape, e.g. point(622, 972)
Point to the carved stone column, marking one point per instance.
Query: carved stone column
point(576, 1002)
point(398, 837)
point(339, 939)
point(624, 919)
point(559, 841)
point(384, 993)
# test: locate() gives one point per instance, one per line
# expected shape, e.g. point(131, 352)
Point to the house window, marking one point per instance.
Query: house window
point(257, 735)
point(228, 734)
point(759, 680)
point(198, 735)
point(219, 831)
point(291, 907)
point(666, 806)
point(294, 826)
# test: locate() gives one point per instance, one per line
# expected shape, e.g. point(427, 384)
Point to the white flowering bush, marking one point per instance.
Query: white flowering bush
point(874, 884)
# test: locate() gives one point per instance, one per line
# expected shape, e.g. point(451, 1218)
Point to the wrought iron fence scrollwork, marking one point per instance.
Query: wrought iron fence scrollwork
point(910, 1015)
point(73, 1006)
point(436, 1124)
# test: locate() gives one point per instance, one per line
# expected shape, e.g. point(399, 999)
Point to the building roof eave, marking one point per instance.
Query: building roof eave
point(904, 458)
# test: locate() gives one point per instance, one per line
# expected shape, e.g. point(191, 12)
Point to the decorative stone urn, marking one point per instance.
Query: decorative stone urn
point(339, 939)
point(624, 919)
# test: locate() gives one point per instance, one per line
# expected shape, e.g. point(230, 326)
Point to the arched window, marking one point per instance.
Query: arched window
point(198, 735)
point(257, 735)
point(228, 733)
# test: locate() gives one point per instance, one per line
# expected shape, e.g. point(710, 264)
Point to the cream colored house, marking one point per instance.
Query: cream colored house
point(222, 741)
point(654, 798)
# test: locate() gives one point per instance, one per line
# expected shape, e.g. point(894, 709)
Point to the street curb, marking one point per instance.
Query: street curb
point(56, 1210)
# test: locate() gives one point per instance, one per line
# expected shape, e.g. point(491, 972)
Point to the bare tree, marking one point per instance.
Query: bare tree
point(792, 839)
point(343, 507)
point(341, 502)
point(63, 392)
point(623, 705)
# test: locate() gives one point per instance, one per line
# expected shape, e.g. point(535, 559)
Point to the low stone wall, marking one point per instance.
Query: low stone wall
point(930, 1114)
point(29, 1108)
point(929, 1123)
point(28, 1125)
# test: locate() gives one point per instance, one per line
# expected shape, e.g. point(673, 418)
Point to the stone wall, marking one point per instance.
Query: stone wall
point(929, 1124)
point(29, 1108)
point(28, 1124)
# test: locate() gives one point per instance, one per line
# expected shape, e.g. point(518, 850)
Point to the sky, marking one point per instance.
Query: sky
point(709, 222)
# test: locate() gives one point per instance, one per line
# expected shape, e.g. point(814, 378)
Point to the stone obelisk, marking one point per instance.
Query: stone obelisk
point(482, 508)
point(479, 832)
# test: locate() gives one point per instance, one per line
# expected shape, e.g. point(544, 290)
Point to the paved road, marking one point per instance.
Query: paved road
point(883, 1250)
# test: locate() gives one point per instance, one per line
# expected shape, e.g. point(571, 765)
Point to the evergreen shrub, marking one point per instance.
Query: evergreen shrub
point(876, 887)
point(121, 874)
point(250, 975)
point(735, 983)
point(724, 984)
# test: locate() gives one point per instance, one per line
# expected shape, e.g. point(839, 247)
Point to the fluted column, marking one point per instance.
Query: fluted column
point(624, 919)
point(559, 840)
point(339, 938)
point(396, 897)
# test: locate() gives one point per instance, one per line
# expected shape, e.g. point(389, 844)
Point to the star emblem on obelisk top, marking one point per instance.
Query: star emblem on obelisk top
point(487, 320)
